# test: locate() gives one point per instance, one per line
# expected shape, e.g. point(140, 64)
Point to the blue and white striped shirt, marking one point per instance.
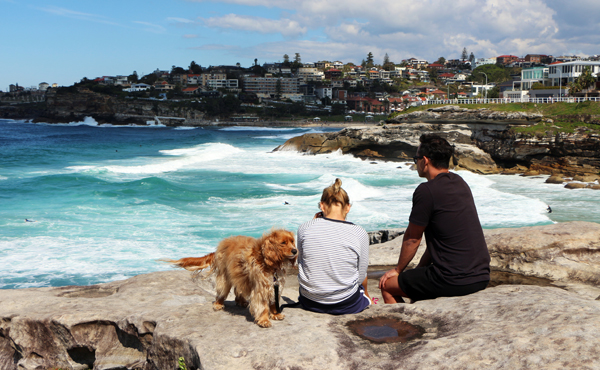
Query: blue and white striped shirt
point(333, 257)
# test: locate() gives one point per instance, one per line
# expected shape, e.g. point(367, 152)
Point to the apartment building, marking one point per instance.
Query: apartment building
point(266, 87)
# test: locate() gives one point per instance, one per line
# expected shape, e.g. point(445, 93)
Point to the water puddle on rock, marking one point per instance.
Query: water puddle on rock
point(385, 330)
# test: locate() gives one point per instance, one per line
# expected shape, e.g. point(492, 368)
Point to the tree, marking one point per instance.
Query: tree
point(133, 77)
point(465, 54)
point(255, 61)
point(297, 58)
point(369, 62)
point(177, 70)
point(286, 60)
point(195, 68)
point(441, 60)
point(472, 58)
point(387, 64)
point(494, 73)
point(583, 82)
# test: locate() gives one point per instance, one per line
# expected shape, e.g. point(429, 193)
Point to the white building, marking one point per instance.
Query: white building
point(322, 92)
point(137, 87)
point(480, 89)
point(482, 62)
point(310, 74)
point(563, 73)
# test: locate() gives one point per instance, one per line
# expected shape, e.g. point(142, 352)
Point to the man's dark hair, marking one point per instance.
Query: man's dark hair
point(437, 149)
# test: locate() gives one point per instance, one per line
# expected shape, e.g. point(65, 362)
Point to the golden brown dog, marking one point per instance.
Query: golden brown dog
point(250, 266)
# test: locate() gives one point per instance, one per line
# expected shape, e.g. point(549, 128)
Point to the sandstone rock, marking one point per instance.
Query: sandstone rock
point(574, 185)
point(566, 252)
point(594, 186)
point(149, 321)
point(453, 113)
point(555, 180)
point(531, 173)
point(395, 143)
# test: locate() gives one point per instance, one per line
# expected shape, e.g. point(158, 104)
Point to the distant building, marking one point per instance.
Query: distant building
point(529, 76)
point(266, 87)
point(43, 86)
point(506, 59)
point(563, 73)
point(483, 61)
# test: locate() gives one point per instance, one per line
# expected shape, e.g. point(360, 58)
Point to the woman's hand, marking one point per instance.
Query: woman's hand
point(318, 215)
point(388, 275)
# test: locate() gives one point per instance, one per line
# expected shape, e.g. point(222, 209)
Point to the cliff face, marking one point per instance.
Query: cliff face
point(69, 107)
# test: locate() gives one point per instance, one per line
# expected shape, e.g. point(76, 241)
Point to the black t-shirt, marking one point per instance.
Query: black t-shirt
point(453, 233)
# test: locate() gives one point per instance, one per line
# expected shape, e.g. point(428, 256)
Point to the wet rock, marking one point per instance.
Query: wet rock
point(575, 185)
point(555, 180)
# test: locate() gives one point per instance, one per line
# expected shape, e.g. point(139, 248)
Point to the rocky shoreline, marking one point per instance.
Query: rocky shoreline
point(484, 144)
point(150, 321)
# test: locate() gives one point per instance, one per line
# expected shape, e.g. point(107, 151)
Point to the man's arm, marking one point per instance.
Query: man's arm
point(410, 243)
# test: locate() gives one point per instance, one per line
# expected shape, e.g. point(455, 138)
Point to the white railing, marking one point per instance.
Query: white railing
point(509, 100)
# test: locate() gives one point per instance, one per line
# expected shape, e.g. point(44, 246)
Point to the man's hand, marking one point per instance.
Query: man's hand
point(388, 275)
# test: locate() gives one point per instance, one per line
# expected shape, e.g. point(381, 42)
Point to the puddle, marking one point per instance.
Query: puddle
point(385, 330)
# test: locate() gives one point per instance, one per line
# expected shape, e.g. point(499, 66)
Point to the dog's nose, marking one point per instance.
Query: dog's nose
point(294, 251)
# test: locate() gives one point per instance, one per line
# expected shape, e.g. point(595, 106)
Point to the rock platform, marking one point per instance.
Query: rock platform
point(149, 321)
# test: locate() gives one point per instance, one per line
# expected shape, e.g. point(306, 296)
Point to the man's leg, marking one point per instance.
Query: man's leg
point(391, 292)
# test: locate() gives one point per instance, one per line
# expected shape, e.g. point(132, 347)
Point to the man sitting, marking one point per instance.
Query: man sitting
point(456, 261)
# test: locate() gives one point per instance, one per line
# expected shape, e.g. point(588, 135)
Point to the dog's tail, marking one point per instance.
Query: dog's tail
point(195, 264)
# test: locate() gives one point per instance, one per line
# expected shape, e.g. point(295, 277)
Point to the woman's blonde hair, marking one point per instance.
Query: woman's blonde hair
point(335, 194)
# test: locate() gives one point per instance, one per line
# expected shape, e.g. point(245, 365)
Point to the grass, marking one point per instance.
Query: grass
point(565, 115)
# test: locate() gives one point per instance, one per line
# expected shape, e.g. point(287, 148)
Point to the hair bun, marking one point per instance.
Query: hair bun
point(337, 185)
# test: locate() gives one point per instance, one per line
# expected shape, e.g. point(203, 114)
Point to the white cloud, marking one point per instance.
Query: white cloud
point(286, 27)
point(180, 20)
point(68, 13)
point(151, 27)
point(423, 29)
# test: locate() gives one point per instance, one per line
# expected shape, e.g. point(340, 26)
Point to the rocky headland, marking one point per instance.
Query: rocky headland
point(484, 140)
point(150, 321)
point(64, 107)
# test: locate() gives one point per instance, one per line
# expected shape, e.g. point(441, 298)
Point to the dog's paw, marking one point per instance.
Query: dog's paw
point(277, 316)
point(218, 306)
point(264, 323)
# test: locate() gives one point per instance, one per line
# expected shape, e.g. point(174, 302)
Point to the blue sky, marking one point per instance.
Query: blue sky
point(62, 41)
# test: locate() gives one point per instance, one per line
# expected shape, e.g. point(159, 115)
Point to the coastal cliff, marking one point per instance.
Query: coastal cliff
point(64, 107)
point(150, 321)
point(485, 142)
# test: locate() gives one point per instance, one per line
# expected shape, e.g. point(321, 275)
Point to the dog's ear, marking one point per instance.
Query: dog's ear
point(270, 250)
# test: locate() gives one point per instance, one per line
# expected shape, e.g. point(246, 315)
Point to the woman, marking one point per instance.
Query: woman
point(333, 258)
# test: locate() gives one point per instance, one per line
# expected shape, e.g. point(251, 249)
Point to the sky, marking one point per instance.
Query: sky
point(62, 41)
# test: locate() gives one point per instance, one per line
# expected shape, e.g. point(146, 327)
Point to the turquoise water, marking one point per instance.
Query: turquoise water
point(109, 201)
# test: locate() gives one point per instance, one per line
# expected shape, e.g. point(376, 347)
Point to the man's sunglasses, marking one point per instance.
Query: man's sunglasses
point(417, 157)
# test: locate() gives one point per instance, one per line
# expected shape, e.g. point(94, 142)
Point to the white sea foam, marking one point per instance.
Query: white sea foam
point(186, 158)
point(186, 128)
point(253, 128)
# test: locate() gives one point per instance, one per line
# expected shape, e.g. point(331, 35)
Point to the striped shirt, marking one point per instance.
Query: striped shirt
point(333, 257)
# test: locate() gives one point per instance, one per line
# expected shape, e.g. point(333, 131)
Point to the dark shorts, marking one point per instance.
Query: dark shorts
point(423, 283)
point(354, 304)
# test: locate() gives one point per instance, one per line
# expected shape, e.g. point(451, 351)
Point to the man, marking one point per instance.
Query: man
point(456, 261)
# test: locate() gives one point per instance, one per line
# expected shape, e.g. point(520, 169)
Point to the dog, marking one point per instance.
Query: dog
point(251, 266)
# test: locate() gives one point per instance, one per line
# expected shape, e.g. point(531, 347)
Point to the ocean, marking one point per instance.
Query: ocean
point(83, 203)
